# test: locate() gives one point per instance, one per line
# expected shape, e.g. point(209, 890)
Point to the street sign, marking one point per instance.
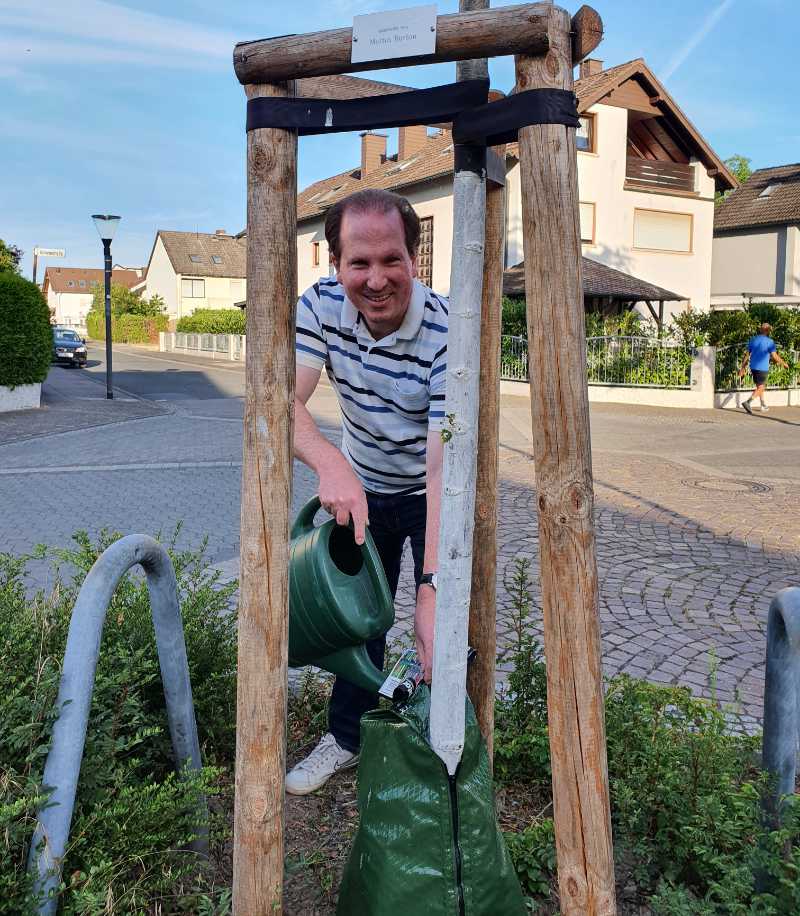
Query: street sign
point(398, 33)
point(49, 252)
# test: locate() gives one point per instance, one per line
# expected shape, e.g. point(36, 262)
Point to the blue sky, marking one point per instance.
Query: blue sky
point(133, 107)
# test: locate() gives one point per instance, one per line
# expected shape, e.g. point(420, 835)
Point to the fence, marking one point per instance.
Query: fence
point(217, 346)
point(729, 361)
point(627, 361)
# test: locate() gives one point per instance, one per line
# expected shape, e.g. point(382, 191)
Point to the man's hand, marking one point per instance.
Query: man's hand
point(341, 494)
point(423, 628)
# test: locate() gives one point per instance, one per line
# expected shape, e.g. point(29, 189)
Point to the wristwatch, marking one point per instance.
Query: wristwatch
point(430, 578)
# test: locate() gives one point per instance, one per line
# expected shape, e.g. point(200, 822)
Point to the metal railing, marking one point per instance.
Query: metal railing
point(218, 346)
point(628, 361)
point(728, 361)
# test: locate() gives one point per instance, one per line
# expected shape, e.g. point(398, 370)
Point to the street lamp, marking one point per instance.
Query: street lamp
point(106, 226)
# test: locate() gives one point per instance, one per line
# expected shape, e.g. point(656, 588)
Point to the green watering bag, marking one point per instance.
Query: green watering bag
point(426, 844)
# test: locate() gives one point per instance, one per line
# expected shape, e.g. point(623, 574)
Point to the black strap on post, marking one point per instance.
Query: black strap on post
point(474, 121)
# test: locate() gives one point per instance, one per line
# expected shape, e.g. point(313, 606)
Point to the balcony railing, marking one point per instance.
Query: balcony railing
point(660, 176)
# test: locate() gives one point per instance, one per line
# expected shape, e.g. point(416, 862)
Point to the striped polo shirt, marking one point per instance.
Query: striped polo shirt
point(391, 391)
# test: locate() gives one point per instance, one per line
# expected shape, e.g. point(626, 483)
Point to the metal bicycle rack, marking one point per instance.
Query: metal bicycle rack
point(75, 695)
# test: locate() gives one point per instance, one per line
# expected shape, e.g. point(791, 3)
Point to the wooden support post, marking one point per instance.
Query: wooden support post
point(562, 451)
point(483, 601)
point(266, 501)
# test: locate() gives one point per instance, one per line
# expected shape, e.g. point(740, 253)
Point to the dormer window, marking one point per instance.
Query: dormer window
point(195, 259)
point(70, 283)
point(216, 259)
point(768, 191)
point(82, 283)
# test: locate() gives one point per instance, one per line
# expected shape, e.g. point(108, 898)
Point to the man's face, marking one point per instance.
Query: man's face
point(375, 268)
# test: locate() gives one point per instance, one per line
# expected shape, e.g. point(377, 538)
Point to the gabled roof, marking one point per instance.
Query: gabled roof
point(595, 88)
point(59, 279)
point(768, 197)
point(599, 280)
point(436, 161)
point(193, 254)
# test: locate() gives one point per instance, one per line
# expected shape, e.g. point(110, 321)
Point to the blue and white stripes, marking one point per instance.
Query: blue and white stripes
point(391, 392)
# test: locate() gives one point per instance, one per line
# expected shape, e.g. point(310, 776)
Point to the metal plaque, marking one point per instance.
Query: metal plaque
point(397, 33)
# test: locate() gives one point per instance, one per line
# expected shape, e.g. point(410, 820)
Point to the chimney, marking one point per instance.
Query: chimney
point(373, 152)
point(590, 66)
point(412, 140)
point(220, 232)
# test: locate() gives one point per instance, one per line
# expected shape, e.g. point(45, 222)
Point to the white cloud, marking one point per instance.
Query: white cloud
point(710, 21)
point(98, 32)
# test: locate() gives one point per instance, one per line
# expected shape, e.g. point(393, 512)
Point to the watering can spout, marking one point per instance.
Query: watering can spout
point(339, 599)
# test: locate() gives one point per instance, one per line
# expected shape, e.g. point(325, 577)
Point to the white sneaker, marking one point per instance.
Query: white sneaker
point(764, 408)
point(326, 759)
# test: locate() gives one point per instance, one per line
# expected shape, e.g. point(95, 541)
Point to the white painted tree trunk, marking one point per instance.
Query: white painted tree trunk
point(449, 682)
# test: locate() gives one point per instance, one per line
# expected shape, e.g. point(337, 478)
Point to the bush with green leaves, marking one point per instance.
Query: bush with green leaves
point(685, 792)
point(134, 818)
point(26, 337)
point(125, 302)
point(213, 321)
point(126, 328)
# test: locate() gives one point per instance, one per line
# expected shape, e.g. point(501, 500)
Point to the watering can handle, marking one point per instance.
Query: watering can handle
point(305, 517)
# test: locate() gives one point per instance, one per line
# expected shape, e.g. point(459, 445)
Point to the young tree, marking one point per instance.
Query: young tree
point(739, 166)
point(10, 257)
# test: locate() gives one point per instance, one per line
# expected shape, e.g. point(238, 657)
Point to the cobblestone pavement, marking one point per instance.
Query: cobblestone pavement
point(696, 518)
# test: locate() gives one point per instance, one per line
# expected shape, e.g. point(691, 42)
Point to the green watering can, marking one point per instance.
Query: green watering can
point(338, 599)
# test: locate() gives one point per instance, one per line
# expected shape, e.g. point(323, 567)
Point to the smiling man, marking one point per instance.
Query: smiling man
point(382, 337)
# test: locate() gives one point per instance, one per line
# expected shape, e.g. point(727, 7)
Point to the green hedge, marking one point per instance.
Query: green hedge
point(126, 328)
point(26, 338)
point(213, 321)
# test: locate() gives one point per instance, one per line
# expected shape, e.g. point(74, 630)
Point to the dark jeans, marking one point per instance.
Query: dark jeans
point(392, 519)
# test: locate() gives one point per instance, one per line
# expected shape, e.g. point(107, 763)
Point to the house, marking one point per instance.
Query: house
point(646, 180)
point(69, 290)
point(196, 270)
point(757, 240)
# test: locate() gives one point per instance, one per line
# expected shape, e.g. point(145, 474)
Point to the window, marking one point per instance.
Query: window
point(195, 259)
point(658, 230)
point(587, 223)
point(585, 134)
point(70, 283)
point(193, 289)
point(767, 192)
point(315, 254)
point(93, 283)
point(82, 283)
point(216, 259)
point(425, 251)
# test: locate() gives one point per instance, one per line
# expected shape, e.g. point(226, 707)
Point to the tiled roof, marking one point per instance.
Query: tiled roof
point(768, 197)
point(59, 278)
point(204, 247)
point(598, 280)
point(436, 161)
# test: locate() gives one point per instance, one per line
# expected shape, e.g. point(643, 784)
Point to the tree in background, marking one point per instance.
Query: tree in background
point(124, 302)
point(739, 167)
point(10, 256)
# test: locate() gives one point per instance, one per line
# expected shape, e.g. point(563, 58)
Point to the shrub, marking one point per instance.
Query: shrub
point(213, 321)
point(124, 302)
point(514, 318)
point(126, 328)
point(133, 818)
point(26, 338)
point(685, 792)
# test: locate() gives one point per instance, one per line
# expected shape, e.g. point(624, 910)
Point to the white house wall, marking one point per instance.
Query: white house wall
point(760, 262)
point(69, 308)
point(162, 280)
point(601, 180)
point(220, 293)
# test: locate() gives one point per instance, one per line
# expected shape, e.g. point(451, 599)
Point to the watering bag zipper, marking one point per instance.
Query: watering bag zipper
point(451, 782)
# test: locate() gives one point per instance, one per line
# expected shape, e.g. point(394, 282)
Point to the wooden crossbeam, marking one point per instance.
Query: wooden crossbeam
point(459, 36)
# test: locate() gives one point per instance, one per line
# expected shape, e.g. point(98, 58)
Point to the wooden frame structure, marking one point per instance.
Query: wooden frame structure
point(546, 44)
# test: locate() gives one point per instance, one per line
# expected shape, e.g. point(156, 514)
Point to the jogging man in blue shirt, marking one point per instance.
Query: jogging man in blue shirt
point(761, 350)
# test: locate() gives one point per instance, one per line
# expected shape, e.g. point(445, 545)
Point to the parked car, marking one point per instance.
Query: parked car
point(68, 347)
